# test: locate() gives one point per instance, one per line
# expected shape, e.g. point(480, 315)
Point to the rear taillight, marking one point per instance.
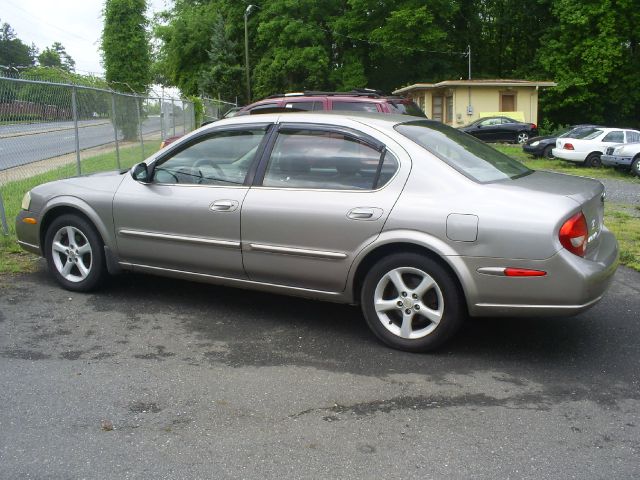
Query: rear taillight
point(568, 146)
point(573, 234)
point(534, 126)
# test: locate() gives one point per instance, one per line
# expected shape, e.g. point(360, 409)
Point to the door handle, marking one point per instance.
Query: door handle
point(223, 206)
point(364, 213)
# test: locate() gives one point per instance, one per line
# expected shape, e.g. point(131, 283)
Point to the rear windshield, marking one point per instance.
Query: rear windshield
point(470, 156)
point(406, 108)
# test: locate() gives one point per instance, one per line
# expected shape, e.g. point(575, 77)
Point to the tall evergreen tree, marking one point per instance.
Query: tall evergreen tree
point(126, 55)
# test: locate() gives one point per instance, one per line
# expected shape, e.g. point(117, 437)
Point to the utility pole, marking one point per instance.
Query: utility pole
point(246, 50)
point(469, 58)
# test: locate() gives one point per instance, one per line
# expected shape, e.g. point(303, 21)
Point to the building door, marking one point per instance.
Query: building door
point(437, 104)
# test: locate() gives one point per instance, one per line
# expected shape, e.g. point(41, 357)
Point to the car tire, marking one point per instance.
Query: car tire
point(593, 160)
point(522, 137)
point(75, 253)
point(411, 302)
point(548, 151)
point(635, 166)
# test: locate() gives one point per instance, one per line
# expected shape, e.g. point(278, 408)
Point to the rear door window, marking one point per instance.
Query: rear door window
point(305, 106)
point(326, 160)
point(354, 106)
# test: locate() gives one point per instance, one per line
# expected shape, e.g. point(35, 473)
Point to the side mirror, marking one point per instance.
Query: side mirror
point(140, 173)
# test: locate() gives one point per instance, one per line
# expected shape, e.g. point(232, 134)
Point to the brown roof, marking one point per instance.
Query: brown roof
point(476, 83)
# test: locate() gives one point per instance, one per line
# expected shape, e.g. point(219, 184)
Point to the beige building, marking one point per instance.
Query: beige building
point(459, 102)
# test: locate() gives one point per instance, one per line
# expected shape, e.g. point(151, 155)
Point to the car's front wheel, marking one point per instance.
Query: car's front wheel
point(411, 302)
point(74, 253)
point(548, 152)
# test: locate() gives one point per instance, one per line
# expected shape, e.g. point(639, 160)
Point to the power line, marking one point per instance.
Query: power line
point(32, 16)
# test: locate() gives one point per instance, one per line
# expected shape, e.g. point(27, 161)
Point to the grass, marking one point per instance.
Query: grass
point(12, 258)
point(560, 166)
point(622, 220)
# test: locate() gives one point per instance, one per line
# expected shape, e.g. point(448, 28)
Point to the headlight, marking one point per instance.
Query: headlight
point(536, 143)
point(26, 201)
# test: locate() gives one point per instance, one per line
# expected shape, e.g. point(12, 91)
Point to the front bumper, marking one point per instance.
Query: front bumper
point(538, 150)
point(616, 161)
point(28, 234)
point(572, 284)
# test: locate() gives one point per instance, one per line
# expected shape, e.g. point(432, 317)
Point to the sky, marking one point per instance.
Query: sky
point(77, 24)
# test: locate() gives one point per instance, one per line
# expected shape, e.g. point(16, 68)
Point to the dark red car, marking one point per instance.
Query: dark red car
point(364, 100)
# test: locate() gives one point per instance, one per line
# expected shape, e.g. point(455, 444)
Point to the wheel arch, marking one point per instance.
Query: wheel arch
point(382, 249)
point(71, 205)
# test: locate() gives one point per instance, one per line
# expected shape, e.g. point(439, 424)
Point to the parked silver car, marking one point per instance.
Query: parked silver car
point(417, 222)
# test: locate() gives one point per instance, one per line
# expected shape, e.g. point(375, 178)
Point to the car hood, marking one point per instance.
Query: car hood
point(549, 138)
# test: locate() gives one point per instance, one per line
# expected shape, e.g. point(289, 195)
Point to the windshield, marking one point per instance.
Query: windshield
point(468, 155)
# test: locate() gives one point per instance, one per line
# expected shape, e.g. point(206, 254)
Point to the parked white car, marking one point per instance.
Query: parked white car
point(589, 148)
point(625, 156)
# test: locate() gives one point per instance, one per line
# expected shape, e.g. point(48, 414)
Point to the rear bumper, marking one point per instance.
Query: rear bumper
point(616, 161)
point(572, 284)
point(569, 155)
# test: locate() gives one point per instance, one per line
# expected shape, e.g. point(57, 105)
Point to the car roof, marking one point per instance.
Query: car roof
point(384, 120)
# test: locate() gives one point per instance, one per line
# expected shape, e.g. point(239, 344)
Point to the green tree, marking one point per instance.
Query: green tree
point(56, 56)
point(223, 75)
point(592, 52)
point(126, 56)
point(13, 52)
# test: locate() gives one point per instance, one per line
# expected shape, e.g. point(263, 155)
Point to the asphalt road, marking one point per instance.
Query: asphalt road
point(25, 144)
point(204, 382)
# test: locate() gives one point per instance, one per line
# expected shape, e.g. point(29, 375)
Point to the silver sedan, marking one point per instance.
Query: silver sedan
point(417, 222)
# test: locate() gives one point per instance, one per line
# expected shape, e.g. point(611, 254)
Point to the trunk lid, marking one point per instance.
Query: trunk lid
point(586, 192)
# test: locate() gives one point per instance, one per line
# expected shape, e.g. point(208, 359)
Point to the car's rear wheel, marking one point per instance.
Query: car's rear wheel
point(548, 152)
point(75, 253)
point(635, 166)
point(593, 160)
point(522, 137)
point(411, 302)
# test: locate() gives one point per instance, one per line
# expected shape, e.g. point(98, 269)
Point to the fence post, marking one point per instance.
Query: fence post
point(3, 217)
point(140, 125)
point(74, 108)
point(115, 128)
point(162, 133)
point(173, 117)
point(184, 119)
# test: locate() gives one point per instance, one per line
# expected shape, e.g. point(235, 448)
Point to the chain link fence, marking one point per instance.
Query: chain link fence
point(215, 109)
point(50, 131)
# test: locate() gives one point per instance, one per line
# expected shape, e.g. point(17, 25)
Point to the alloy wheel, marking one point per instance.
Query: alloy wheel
point(72, 254)
point(408, 302)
